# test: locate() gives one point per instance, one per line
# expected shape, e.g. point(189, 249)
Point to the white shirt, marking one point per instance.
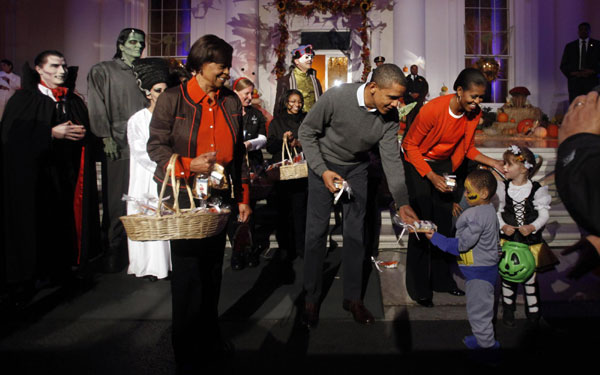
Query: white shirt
point(360, 96)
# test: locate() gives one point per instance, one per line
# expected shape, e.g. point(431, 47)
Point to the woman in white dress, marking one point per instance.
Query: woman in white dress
point(148, 259)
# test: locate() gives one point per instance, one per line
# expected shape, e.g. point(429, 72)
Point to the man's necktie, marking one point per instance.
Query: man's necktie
point(582, 55)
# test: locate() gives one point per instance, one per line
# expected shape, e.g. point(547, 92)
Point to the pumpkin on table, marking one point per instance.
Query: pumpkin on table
point(552, 130)
point(502, 117)
point(524, 126)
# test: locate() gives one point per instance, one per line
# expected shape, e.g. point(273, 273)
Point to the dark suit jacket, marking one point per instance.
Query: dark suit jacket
point(570, 63)
point(418, 85)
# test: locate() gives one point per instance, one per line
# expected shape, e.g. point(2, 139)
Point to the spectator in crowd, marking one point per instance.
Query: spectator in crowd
point(577, 177)
point(301, 77)
point(580, 62)
point(195, 120)
point(290, 195)
point(441, 136)
point(245, 252)
point(148, 259)
point(49, 203)
point(336, 136)
point(9, 83)
point(113, 97)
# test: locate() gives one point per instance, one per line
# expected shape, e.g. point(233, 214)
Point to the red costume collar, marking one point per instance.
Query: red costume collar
point(58, 93)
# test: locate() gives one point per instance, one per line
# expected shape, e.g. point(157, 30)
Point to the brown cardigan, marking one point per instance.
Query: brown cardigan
point(174, 128)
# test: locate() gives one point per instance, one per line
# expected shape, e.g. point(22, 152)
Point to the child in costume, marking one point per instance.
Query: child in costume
point(523, 211)
point(476, 243)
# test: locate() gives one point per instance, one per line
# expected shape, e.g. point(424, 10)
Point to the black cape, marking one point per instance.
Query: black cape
point(49, 198)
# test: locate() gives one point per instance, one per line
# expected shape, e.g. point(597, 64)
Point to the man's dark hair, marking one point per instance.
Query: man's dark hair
point(209, 48)
point(482, 179)
point(122, 38)
point(7, 62)
point(469, 77)
point(387, 74)
point(286, 97)
point(586, 24)
point(42, 57)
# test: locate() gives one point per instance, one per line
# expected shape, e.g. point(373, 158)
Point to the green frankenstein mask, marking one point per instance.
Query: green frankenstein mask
point(517, 263)
point(133, 47)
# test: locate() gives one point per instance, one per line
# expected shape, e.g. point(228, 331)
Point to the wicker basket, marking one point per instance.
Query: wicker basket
point(183, 224)
point(291, 171)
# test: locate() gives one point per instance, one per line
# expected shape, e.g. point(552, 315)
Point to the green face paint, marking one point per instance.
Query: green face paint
point(133, 47)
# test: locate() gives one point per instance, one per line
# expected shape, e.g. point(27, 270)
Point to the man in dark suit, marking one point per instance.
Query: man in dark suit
point(581, 63)
point(416, 91)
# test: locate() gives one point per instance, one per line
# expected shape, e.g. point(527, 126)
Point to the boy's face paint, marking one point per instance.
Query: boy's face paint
point(472, 194)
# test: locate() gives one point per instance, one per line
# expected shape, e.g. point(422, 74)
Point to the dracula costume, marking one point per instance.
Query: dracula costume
point(49, 205)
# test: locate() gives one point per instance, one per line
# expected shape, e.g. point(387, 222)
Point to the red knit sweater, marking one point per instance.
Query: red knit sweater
point(432, 124)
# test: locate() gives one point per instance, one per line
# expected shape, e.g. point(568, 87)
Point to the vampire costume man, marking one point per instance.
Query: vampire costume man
point(49, 198)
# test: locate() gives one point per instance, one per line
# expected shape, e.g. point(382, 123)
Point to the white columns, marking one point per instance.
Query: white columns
point(242, 33)
point(409, 33)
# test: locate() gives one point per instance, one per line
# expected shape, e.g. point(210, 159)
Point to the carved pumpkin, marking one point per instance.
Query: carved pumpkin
point(517, 263)
point(502, 117)
point(524, 125)
point(552, 130)
point(540, 132)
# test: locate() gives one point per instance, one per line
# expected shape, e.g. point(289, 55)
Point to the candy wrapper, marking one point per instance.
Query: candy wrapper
point(379, 264)
point(450, 181)
point(217, 178)
point(417, 227)
point(343, 188)
point(214, 204)
point(147, 204)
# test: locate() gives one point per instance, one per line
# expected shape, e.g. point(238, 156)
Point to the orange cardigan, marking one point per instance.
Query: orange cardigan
point(427, 129)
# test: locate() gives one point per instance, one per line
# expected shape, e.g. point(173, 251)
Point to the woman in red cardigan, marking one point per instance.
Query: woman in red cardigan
point(439, 139)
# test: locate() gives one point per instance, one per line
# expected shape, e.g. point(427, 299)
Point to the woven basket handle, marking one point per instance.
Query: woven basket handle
point(286, 151)
point(175, 183)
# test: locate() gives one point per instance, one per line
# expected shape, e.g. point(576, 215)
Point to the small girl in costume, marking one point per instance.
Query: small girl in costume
point(523, 211)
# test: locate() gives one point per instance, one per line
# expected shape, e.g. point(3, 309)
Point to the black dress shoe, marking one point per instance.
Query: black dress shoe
point(359, 311)
point(252, 258)
point(456, 292)
point(238, 260)
point(426, 302)
point(310, 315)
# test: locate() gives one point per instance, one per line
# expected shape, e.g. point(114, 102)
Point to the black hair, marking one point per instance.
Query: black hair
point(586, 24)
point(482, 179)
point(41, 58)
point(122, 38)
point(386, 75)
point(7, 62)
point(469, 77)
point(286, 96)
point(209, 48)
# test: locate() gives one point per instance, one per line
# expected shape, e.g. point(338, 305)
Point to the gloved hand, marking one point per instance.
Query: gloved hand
point(111, 149)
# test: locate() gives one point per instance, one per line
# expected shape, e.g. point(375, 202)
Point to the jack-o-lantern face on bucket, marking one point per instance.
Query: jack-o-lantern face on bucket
point(517, 263)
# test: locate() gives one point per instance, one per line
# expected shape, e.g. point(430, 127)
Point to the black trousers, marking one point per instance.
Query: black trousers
point(291, 197)
point(318, 214)
point(195, 289)
point(115, 183)
point(427, 267)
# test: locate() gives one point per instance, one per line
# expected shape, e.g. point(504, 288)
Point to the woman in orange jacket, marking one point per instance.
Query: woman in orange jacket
point(439, 139)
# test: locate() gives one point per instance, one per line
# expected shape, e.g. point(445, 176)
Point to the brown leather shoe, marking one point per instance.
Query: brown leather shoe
point(359, 311)
point(310, 315)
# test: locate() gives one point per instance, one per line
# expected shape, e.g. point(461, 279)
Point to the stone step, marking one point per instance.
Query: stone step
point(557, 235)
